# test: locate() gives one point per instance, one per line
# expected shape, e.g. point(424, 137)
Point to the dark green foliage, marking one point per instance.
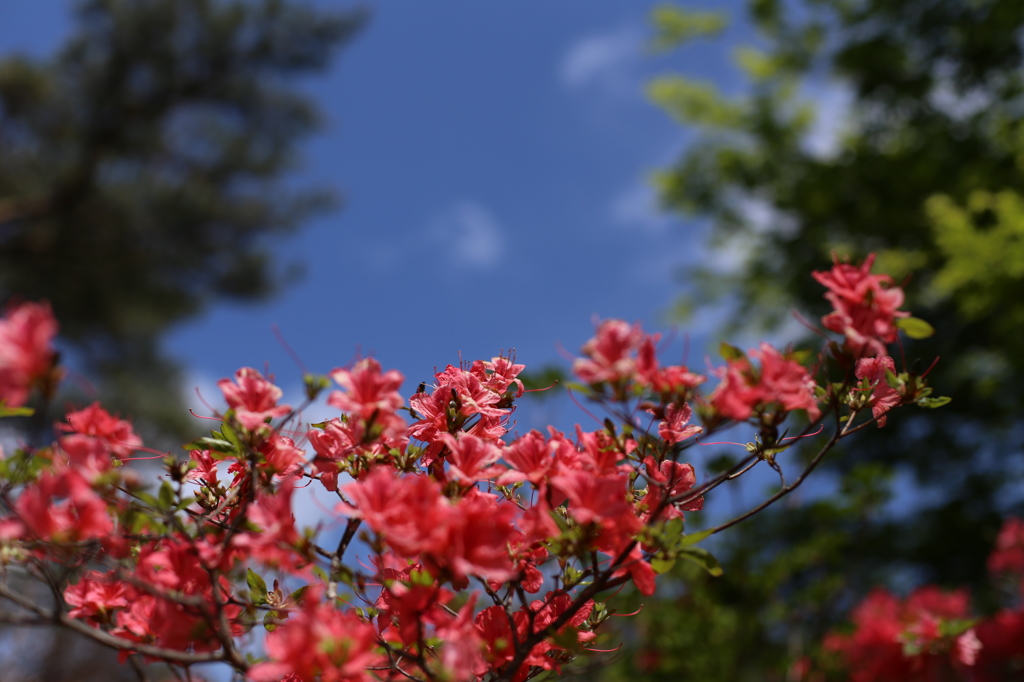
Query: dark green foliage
point(143, 168)
point(934, 120)
point(925, 169)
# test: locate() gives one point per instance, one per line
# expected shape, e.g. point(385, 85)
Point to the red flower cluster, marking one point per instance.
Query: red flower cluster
point(61, 508)
point(865, 306)
point(26, 350)
point(322, 643)
point(457, 520)
point(913, 639)
point(170, 593)
point(782, 384)
point(932, 637)
point(621, 353)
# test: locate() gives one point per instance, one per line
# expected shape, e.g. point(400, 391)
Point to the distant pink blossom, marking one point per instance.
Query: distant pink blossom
point(26, 350)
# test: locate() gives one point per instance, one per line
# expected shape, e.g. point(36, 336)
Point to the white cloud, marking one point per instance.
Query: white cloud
point(605, 60)
point(468, 234)
point(636, 207)
point(833, 102)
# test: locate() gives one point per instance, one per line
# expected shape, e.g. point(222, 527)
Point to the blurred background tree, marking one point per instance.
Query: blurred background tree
point(145, 169)
point(889, 126)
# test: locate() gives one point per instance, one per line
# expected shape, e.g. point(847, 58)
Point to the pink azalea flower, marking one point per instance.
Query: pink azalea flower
point(610, 353)
point(63, 508)
point(531, 459)
point(407, 604)
point(674, 427)
point(883, 396)
point(96, 435)
point(95, 422)
point(1008, 555)
point(319, 643)
point(367, 390)
point(206, 467)
point(471, 458)
point(282, 457)
point(277, 542)
point(865, 306)
point(786, 382)
point(781, 381)
point(671, 379)
point(26, 350)
point(408, 511)
point(499, 374)
point(462, 653)
point(479, 531)
point(902, 640)
point(253, 398)
point(669, 479)
point(95, 596)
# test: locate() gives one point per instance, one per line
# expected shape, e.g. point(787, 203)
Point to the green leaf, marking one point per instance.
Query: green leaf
point(268, 621)
point(756, 64)
point(148, 499)
point(932, 403)
point(22, 467)
point(694, 538)
point(730, 352)
point(673, 530)
point(915, 327)
point(166, 496)
point(296, 596)
point(230, 435)
point(210, 444)
point(677, 25)
point(956, 626)
point(803, 357)
point(704, 559)
point(568, 640)
point(421, 577)
point(15, 411)
point(695, 103)
point(257, 587)
point(662, 564)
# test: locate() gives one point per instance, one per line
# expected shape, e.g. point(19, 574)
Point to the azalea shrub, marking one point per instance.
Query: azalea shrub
point(459, 550)
point(934, 635)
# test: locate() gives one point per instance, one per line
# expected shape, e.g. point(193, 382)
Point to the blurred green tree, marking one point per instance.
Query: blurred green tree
point(889, 126)
point(144, 169)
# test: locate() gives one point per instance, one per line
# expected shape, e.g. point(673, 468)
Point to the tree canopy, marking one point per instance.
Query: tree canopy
point(888, 126)
point(145, 165)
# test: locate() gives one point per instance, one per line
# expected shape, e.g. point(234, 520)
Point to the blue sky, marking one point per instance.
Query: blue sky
point(493, 158)
point(494, 161)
